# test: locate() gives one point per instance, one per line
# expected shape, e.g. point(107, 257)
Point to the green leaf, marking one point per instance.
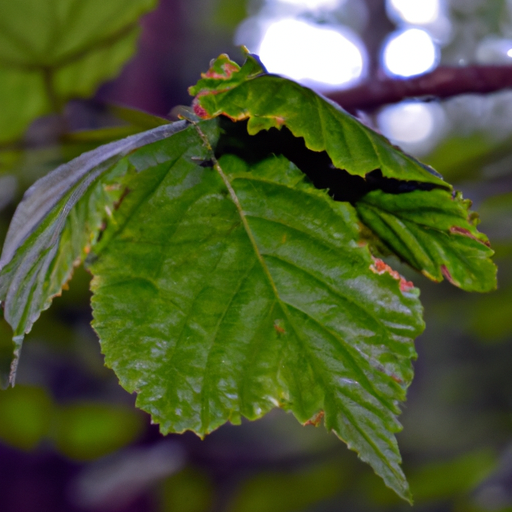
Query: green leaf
point(88, 430)
point(26, 416)
point(433, 232)
point(244, 288)
point(226, 284)
point(277, 491)
point(270, 101)
point(55, 50)
point(55, 224)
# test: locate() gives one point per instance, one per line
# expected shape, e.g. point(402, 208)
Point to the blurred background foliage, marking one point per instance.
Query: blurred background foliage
point(70, 438)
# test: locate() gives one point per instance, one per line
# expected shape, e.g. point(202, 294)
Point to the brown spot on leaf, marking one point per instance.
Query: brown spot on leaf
point(396, 379)
point(208, 92)
point(278, 326)
point(465, 232)
point(446, 273)
point(380, 267)
point(315, 419)
point(405, 286)
point(228, 69)
point(239, 117)
point(213, 74)
point(279, 329)
point(199, 110)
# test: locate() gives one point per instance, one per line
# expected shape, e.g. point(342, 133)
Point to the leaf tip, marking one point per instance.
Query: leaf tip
point(221, 68)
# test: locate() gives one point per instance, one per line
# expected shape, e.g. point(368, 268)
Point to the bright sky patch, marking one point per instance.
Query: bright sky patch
point(303, 51)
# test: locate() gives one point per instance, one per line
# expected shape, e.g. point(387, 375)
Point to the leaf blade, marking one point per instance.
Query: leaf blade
point(456, 251)
point(225, 322)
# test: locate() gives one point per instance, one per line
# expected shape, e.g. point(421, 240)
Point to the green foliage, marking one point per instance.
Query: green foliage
point(226, 283)
point(82, 431)
point(88, 430)
point(277, 492)
point(187, 491)
point(441, 480)
point(269, 101)
point(67, 205)
point(25, 414)
point(416, 226)
point(52, 51)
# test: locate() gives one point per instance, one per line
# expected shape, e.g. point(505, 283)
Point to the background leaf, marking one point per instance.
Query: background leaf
point(55, 50)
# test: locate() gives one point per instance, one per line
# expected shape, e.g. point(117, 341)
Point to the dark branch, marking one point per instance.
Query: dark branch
point(443, 82)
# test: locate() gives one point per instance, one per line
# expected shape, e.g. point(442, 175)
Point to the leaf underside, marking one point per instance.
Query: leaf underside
point(54, 226)
point(227, 281)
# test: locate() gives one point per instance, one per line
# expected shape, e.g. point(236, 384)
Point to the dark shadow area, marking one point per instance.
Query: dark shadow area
point(316, 165)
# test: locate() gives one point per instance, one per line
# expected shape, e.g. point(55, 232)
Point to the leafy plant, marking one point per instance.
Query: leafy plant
point(237, 266)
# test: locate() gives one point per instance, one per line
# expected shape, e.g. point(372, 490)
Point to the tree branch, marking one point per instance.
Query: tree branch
point(443, 82)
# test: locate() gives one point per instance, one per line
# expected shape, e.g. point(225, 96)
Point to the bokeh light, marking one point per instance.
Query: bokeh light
point(315, 4)
point(412, 125)
point(317, 53)
point(494, 50)
point(432, 16)
point(416, 12)
point(410, 52)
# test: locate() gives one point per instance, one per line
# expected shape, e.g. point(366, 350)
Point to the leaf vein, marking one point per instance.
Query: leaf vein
point(362, 377)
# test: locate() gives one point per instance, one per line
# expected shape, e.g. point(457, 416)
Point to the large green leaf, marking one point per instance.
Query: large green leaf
point(54, 50)
point(242, 289)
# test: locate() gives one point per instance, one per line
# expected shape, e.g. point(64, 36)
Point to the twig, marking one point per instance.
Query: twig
point(443, 82)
